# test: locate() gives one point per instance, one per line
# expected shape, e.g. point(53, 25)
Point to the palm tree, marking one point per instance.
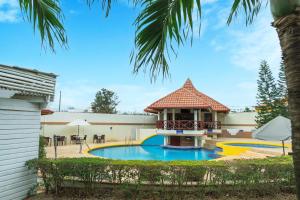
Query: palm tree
point(162, 24)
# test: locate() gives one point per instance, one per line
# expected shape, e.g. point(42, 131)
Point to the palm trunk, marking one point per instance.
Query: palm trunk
point(288, 29)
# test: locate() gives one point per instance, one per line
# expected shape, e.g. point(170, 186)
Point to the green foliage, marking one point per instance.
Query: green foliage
point(250, 8)
point(42, 150)
point(106, 5)
point(271, 97)
point(105, 101)
point(244, 174)
point(247, 109)
point(282, 107)
point(46, 16)
point(159, 25)
point(267, 94)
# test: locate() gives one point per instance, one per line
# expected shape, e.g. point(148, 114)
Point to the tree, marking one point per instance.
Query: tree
point(247, 109)
point(163, 23)
point(281, 102)
point(105, 101)
point(267, 94)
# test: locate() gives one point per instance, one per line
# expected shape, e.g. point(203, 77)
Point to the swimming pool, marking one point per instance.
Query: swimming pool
point(252, 145)
point(144, 152)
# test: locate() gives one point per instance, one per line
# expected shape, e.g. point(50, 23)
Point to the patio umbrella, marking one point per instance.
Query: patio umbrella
point(278, 129)
point(78, 123)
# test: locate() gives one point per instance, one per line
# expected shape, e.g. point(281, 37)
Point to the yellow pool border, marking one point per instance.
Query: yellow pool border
point(151, 136)
point(236, 150)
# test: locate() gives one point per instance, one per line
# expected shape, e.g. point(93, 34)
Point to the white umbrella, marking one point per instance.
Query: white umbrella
point(78, 123)
point(278, 129)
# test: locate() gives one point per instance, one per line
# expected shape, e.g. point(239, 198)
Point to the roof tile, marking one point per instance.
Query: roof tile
point(187, 97)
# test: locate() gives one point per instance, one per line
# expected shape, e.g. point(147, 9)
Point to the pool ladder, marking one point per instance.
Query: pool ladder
point(128, 141)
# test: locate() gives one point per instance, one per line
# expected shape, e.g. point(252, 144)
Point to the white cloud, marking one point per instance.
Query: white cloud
point(9, 11)
point(73, 12)
point(248, 46)
point(217, 46)
point(258, 43)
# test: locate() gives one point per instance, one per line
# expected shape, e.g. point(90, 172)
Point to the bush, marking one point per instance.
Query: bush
point(42, 151)
point(265, 175)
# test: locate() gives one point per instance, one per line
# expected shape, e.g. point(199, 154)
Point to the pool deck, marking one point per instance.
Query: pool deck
point(73, 150)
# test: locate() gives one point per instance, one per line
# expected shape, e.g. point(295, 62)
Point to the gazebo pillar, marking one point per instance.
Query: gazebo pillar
point(173, 114)
point(195, 120)
point(165, 118)
point(200, 118)
point(196, 141)
point(158, 116)
point(173, 117)
point(216, 119)
point(165, 140)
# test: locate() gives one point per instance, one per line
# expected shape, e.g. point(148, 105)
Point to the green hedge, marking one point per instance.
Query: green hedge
point(243, 174)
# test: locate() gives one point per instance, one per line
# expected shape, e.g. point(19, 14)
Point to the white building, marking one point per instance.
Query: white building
point(23, 93)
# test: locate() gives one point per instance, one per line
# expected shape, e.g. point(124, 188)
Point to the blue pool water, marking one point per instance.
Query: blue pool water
point(154, 153)
point(253, 145)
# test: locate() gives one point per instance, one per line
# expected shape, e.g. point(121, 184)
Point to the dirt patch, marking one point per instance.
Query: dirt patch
point(118, 196)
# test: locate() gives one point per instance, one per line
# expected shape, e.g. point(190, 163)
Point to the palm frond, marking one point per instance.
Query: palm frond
point(105, 4)
point(46, 16)
point(251, 9)
point(160, 25)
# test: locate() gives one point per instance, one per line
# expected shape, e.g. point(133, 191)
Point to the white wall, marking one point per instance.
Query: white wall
point(19, 136)
point(243, 121)
point(126, 125)
point(114, 126)
point(143, 134)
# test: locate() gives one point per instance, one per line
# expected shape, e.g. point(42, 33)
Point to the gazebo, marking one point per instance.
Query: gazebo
point(185, 115)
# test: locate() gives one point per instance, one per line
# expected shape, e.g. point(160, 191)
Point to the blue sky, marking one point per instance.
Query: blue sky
point(222, 62)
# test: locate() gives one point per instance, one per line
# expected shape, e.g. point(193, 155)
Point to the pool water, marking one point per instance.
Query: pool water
point(253, 145)
point(154, 153)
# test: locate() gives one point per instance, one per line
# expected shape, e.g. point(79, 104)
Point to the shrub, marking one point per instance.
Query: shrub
point(42, 151)
point(196, 175)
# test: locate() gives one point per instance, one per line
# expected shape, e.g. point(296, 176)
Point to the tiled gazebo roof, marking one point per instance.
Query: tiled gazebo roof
point(186, 97)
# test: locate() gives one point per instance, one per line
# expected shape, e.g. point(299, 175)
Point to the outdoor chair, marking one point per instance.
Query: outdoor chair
point(102, 138)
point(96, 138)
point(81, 140)
point(73, 139)
point(61, 140)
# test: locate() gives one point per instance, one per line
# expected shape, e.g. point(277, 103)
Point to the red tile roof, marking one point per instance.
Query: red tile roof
point(186, 97)
point(46, 112)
